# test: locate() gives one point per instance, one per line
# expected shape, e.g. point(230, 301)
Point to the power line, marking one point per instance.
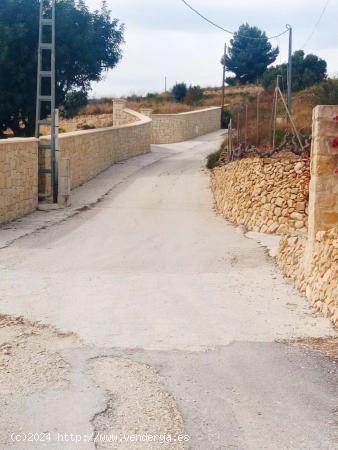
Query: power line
point(205, 18)
point(224, 29)
point(317, 23)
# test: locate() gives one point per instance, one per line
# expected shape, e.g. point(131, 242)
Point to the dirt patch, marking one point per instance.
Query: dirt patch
point(29, 357)
point(139, 413)
point(327, 346)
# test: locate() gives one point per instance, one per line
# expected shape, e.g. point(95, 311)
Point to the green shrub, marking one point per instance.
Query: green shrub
point(326, 93)
point(226, 117)
point(152, 96)
point(74, 101)
point(213, 159)
point(179, 92)
point(306, 71)
point(194, 95)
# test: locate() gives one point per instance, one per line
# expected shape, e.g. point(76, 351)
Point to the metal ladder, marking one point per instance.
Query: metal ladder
point(45, 99)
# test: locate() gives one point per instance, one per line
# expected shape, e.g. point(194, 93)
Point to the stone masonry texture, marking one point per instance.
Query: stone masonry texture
point(92, 151)
point(171, 128)
point(18, 178)
point(268, 195)
point(312, 262)
point(85, 153)
point(287, 197)
point(320, 283)
point(122, 115)
point(323, 207)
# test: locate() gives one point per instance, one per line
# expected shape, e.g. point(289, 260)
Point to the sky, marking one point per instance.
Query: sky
point(165, 39)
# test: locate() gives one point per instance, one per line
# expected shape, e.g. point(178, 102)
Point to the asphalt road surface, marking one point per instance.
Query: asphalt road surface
point(148, 315)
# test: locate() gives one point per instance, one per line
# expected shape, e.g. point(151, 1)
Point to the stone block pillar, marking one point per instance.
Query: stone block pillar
point(64, 183)
point(118, 107)
point(323, 201)
point(146, 111)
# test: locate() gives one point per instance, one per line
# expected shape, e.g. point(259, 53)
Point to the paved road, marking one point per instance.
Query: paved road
point(174, 316)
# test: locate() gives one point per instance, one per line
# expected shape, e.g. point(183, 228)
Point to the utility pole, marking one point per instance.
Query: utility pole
point(275, 112)
point(223, 85)
point(230, 141)
point(45, 98)
point(290, 70)
point(246, 123)
point(165, 85)
point(258, 117)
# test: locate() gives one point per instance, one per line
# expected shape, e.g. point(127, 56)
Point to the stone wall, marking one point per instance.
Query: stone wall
point(269, 195)
point(81, 122)
point(312, 262)
point(323, 206)
point(92, 151)
point(18, 178)
point(171, 128)
point(320, 283)
point(277, 196)
point(119, 116)
point(122, 115)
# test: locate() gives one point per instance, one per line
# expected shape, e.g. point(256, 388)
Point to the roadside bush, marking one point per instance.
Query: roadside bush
point(74, 101)
point(179, 92)
point(153, 96)
point(213, 159)
point(194, 95)
point(226, 117)
point(326, 93)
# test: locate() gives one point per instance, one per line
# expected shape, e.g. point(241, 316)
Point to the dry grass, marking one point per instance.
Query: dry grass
point(326, 346)
point(236, 97)
point(166, 107)
point(104, 106)
point(82, 122)
point(303, 104)
point(164, 104)
point(250, 89)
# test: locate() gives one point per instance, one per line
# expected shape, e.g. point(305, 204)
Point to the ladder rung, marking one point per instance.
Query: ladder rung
point(45, 171)
point(45, 146)
point(46, 22)
point(46, 46)
point(45, 73)
point(45, 122)
point(45, 98)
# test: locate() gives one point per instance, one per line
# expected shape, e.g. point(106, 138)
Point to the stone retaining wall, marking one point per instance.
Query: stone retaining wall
point(92, 151)
point(319, 282)
point(271, 196)
point(121, 114)
point(171, 128)
point(82, 156)
point(18, 178)
point(313, 262)
point(267, 195)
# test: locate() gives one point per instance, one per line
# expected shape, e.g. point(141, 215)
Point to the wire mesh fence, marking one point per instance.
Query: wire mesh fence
point(262, 125)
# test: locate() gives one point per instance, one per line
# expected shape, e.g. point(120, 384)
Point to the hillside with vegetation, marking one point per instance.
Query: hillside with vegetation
point(236, 97)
